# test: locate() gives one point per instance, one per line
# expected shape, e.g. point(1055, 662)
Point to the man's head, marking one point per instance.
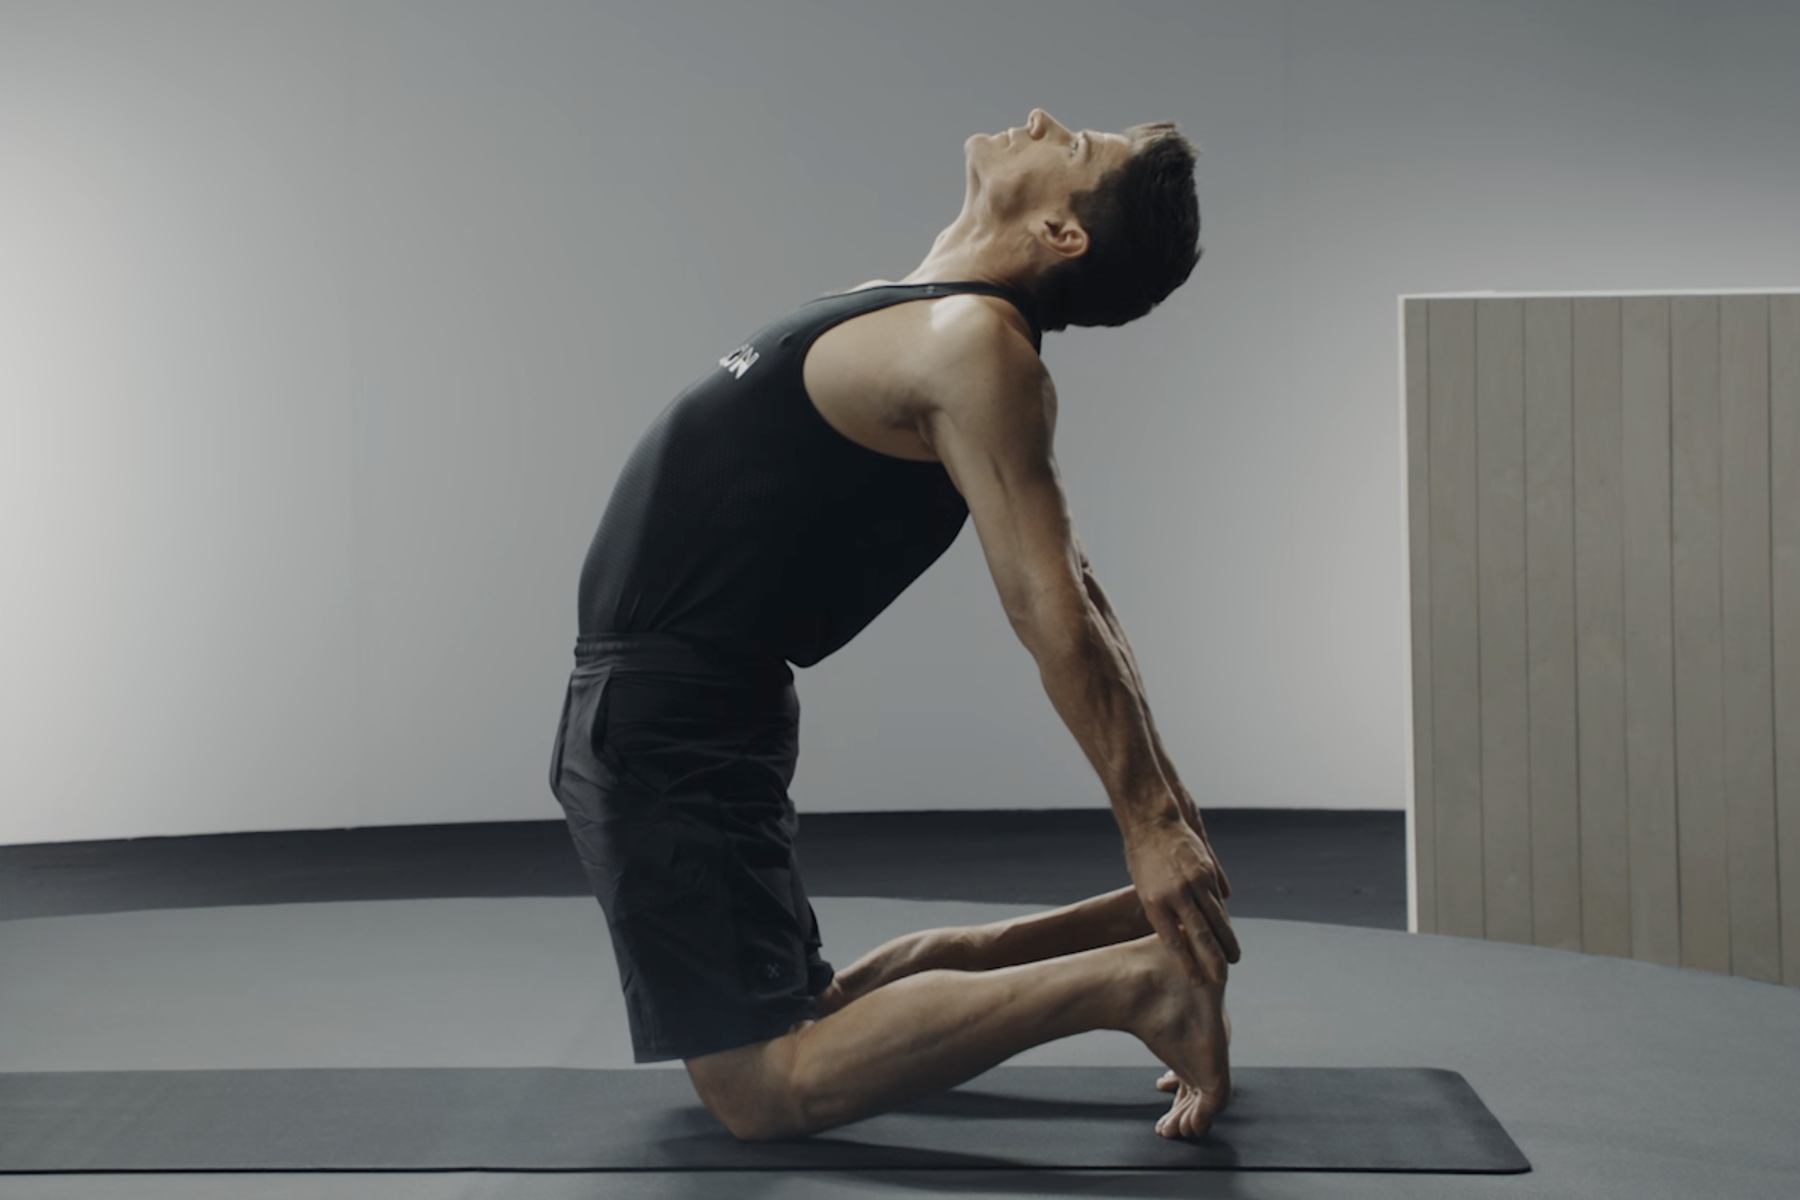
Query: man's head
point(1111, 219)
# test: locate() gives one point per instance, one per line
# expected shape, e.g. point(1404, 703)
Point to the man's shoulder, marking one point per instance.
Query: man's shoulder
point(907, 360)
point(971, 336)
point(978, 322)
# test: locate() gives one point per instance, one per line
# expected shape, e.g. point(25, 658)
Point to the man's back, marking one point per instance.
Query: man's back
point(747, 520)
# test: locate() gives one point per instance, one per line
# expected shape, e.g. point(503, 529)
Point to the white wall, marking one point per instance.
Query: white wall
point(325, 327)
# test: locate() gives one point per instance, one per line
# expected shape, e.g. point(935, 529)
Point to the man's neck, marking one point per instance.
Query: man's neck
point(968, 252)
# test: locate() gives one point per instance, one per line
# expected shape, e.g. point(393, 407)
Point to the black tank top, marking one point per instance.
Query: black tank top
point(744, 521)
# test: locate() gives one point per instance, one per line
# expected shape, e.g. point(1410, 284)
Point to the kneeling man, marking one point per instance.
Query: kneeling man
point(768, 515)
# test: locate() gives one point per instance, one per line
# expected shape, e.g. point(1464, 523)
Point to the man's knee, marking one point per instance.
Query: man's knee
point(753, 1090)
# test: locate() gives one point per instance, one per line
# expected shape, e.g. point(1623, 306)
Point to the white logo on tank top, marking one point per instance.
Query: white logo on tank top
point(740, 360)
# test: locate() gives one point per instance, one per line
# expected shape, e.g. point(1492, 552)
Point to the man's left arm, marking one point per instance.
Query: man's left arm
point(1102, 605)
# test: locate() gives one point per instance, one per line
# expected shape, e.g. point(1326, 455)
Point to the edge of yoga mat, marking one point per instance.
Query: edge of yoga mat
point(1404, 1120)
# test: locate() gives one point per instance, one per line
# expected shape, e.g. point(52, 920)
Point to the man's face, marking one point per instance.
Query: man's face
point(1041, 163)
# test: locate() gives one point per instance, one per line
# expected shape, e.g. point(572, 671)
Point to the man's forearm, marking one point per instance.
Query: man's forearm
point(1097, 596)
point(1095, 688)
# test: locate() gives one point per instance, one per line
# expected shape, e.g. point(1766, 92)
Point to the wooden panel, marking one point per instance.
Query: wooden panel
point(1784, 535)
point(1418, 515)
point(1505, 719)
point(1604, 509)
point(1749, 652)
point(1699, 633)
point(1550, 622)
point(1600, 627)
point(1649, 636)
point(1455, 661)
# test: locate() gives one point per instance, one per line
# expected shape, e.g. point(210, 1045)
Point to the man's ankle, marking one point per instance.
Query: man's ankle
point(1143, 983)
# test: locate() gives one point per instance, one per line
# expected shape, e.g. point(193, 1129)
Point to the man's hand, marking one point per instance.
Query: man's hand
point(1178, 882)
point(1190, 812)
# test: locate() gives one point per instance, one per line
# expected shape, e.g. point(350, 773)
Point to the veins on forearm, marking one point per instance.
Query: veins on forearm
point(1102, 605)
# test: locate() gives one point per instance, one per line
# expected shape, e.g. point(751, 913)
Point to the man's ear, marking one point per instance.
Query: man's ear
point(1062, 235)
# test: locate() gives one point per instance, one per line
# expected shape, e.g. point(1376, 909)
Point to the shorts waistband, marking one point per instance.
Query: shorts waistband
point(672, 655)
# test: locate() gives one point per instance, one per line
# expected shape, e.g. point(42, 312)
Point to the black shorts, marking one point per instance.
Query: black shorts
point(672, 767)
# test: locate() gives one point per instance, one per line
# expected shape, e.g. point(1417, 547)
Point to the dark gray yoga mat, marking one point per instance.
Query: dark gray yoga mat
point(557, 1119)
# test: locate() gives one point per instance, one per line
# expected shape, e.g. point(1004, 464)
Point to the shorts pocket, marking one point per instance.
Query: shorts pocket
point(581, 736)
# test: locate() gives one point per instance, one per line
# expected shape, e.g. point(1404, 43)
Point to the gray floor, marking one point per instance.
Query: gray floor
point(1617, 1079)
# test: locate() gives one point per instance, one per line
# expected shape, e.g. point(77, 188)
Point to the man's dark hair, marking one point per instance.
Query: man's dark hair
point(1143, 226)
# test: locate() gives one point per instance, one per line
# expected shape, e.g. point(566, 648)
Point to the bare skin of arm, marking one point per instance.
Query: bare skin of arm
point(988, 411)
point(1189, 810)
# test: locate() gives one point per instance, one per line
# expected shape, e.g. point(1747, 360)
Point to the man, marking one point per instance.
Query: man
point(771, 512)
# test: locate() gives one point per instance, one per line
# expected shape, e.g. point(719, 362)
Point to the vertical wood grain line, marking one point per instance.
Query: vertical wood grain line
point(1455, 661)
point(1416, 314)
point(1784, 536)
point(1649, 636)
point(1550, 622)
point(1745, 561)
point(1505, 719)
point(1600, 627)
point(1699, 633)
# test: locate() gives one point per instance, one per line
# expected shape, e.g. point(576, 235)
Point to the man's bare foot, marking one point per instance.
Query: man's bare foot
point(1185, 1027)
point(1169, 1082)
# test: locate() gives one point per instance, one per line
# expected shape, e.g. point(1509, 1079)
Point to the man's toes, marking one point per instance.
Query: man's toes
point(1173, 1122)
point(1168, 1082)
point(1189, 1117)
point(1170, 1125)
point(1200, 1116)
point(1184, 1114)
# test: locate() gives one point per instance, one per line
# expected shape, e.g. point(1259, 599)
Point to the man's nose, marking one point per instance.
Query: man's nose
point(1041, 123)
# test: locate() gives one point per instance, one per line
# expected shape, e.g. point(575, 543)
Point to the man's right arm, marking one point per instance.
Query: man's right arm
point(989, 411)
point(1103, 605)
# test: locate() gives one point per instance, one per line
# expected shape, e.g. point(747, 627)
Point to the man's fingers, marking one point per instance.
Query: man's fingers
point(1190, 813)
point(1220, 922)
point(1195, 948)
point(1206, 949)
point(1177, 933)
point(1209, 929)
